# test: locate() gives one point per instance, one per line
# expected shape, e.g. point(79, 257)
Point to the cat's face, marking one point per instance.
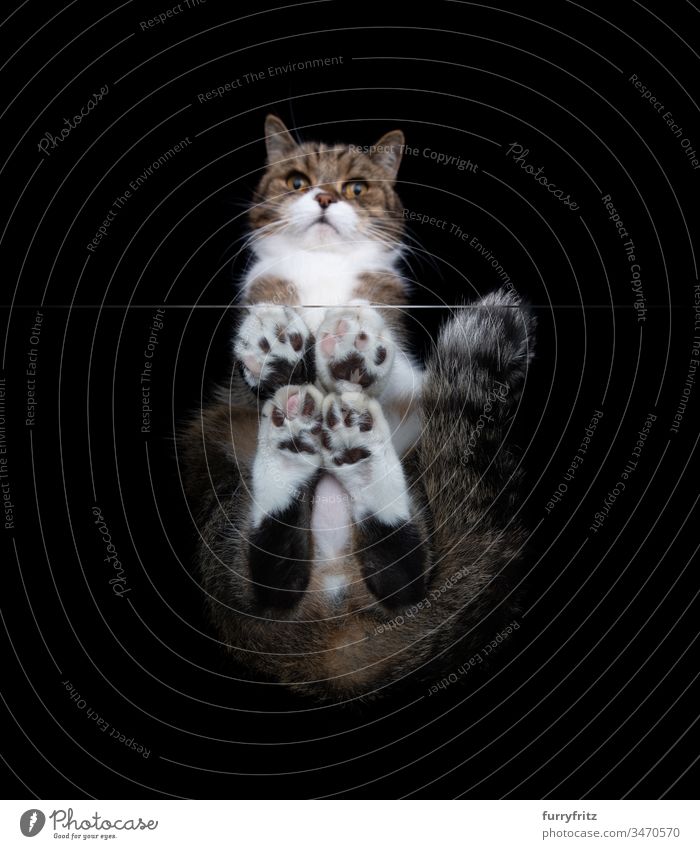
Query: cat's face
point(335, 197)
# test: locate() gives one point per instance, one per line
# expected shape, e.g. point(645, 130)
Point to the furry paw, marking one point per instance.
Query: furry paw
point(358, 451)
point(352, 428)
point(289, 450)
point(271, 347)
point(292, 422)
point(354, 350)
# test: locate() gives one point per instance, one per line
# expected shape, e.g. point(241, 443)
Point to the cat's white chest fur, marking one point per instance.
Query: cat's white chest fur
point(320, 276)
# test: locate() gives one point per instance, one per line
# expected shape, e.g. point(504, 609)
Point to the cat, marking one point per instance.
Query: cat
point(355, 509)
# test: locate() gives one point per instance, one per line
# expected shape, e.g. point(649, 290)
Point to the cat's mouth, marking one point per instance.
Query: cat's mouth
point(323, 222)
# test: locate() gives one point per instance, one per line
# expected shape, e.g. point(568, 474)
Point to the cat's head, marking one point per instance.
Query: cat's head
point(330, 196)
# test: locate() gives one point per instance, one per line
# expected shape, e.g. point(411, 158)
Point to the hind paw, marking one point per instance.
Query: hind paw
point(289, 450)
point(354, 429)
point(357, 450)
point(292, 422)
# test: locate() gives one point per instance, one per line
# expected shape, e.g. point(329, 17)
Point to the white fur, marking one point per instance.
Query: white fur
point(324, 266)
point(376, 485)
point(322, 276)
point(400, 402)
point(330, 519)
point(335, 585)
point(323, 262)
point(279, 475)
point(262, 321)
point(354, 319)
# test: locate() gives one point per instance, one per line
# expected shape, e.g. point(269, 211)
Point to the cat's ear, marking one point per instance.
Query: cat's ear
point(387, 152)
point(278, 139)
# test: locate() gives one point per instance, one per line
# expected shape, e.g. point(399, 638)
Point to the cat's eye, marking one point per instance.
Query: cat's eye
point(297, 181)
point(354, 189)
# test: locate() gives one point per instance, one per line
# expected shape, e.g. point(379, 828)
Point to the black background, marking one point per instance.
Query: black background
point(594, 694)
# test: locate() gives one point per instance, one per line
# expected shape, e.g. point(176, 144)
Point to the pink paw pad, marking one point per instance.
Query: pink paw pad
point(293, 405)
point(362, 341)
point(329, 340)
point(252, 365)
point(328, 344)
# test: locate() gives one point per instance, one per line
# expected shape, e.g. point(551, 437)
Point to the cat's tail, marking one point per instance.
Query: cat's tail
point(469, 469)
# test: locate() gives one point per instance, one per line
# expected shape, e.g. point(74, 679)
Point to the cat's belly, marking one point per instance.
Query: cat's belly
point(320, 278)
point(331, 520)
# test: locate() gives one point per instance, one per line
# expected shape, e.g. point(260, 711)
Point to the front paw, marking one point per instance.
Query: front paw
point(354, 350)
point(273, 348)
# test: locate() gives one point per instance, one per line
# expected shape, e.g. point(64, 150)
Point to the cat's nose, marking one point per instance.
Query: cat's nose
point(325, 199)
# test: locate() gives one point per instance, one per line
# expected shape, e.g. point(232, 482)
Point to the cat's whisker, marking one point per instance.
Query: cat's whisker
point(309, 513)
point(417, 249)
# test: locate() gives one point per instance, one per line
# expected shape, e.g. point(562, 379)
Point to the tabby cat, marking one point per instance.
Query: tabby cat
point(355, 509)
